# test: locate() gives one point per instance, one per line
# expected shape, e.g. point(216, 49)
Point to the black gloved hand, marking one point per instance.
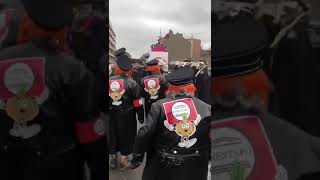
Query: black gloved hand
point(136, 161)
point(140, 114)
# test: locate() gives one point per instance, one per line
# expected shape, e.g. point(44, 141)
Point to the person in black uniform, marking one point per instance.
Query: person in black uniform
point(176, 133)
point(88, 43)
point(295, 71)
point(124, 103)
point(202, 79)
point(139, 71)
point(112, 64)
point(154, 85)
point(49, 102)
point(241, 121)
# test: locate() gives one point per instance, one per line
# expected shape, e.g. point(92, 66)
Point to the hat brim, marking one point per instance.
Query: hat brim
point(182, 76)
point(153, 62)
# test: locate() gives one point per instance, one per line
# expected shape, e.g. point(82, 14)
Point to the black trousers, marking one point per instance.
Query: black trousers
point(15, 165)
point(123, 130)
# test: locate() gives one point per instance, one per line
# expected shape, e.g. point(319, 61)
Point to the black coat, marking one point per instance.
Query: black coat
point(169, 158)
point(138, 73)
point(295, 73)
point(203, 81)
point(68, 107)
point(124, 104)
point(161, 92)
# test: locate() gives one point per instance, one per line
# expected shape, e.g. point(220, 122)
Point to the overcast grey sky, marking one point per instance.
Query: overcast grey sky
point(137, 23)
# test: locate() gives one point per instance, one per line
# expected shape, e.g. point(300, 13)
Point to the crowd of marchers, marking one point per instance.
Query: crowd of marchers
point(173, 112)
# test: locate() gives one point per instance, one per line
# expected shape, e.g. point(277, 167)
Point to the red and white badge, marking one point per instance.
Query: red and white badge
point(90, 131)
point(152, 86)
point(22, 73)
point(182, 118)
point(22, 89)
point(116, 90)
point(241, 148)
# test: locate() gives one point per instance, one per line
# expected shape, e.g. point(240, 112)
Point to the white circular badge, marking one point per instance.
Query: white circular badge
point(115, 86)
point(282, 173)
point(179, 109)
point(99, 127)
point(151, 83)
point(230, 146)
point(17, 77)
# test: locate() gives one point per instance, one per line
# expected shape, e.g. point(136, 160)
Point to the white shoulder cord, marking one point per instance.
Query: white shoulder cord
point(200, 71)
point(209, 171)
point(284, 31)
point(282, 34)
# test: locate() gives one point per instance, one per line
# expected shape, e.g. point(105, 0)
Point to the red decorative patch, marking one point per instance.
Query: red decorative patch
point(116, 86)
point(28, 73)
point(90, 131)
point(137, 103)
point(116, 90)
point(241, 143)
point(175, 110)
point(152, 86)
point(151, 83)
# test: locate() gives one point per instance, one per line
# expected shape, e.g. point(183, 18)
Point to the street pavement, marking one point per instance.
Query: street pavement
point(127, 174)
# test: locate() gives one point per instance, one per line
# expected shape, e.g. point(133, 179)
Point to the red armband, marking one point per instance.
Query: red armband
point(90, 131)
point(137, 103)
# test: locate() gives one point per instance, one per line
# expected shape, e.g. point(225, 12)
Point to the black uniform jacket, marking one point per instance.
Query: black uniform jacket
point(50, 105)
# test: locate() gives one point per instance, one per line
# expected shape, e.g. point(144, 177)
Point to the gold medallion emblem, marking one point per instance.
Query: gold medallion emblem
point(22, 108)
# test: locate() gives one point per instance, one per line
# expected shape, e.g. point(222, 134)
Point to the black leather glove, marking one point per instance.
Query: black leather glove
point(140, 114)
point(136, 161)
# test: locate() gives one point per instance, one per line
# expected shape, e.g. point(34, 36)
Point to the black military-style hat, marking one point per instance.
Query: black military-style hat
point(120, 52)
point(181, 76)
point(49, 14)
point(124, 63)
point(153, 62)
point(238, 46)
